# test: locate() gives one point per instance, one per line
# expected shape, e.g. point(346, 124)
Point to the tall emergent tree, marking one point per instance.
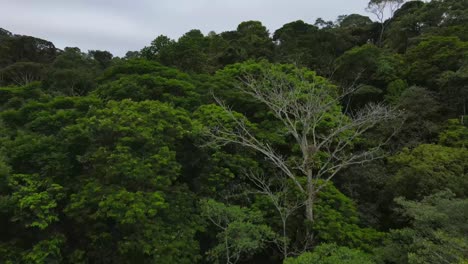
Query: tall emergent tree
point(323, 139)
point(381, 9)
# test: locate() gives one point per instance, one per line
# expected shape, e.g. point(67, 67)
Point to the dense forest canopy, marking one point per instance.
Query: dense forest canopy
point(334, 142)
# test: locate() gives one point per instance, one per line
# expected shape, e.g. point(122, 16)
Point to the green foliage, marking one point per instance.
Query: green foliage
point(119, 205)
point(337, 221)
point(220, 166)
point(14, 96)
point(252, 40)
point(36, 200)
point(242, 232)
point(104, 58)
point(365, 94)
point(406, 25)
point(317, 48)
point(422, 113)
point(46, 251)
point(455, 135)
point(113, 151)
point(331, 254)
point(437, 232)
point(428, 169)
point(232, 77)
point(51, 115)
point(129, 145)
point(140, 67)
point(395, 89)
point(150, 87)
point(73, 73)
point(105, 159)
point(26, 155)
point(370, 65)
point(188, 53)
point(433, 56)
point(131, 142)
point(158, 47)
point(354, 20)
point(364, 184)
point(18, 48)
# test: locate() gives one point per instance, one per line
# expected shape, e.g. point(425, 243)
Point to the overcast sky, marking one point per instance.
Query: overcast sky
point(122, 25)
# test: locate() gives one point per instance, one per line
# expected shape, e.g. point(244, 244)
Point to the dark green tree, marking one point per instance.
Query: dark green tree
point(437, 232)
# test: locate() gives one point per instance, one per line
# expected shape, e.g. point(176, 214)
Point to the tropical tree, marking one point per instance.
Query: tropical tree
point(331, 254)
point(309, 109)
point(242, 232)
point(381, 9)
point(437, 232)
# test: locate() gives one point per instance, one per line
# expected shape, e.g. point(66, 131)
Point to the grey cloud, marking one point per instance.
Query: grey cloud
point(122, 25)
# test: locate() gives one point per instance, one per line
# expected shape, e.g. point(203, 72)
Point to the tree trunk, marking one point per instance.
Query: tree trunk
point(310, 198)
point(285, 242)
point(382, 30)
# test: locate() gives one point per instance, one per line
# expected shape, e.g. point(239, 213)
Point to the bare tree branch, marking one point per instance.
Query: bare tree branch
point(277, 191)
point(309, 109)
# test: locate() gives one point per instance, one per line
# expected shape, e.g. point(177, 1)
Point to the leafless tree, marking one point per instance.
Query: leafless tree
point(309, 108)
point(381, 9)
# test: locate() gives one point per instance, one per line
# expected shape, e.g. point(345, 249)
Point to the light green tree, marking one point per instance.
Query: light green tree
point(242, 232)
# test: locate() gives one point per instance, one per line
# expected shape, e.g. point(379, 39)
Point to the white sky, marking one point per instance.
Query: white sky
point(122, 25)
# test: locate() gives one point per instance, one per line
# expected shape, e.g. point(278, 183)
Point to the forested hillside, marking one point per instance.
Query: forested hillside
point(334, 142)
